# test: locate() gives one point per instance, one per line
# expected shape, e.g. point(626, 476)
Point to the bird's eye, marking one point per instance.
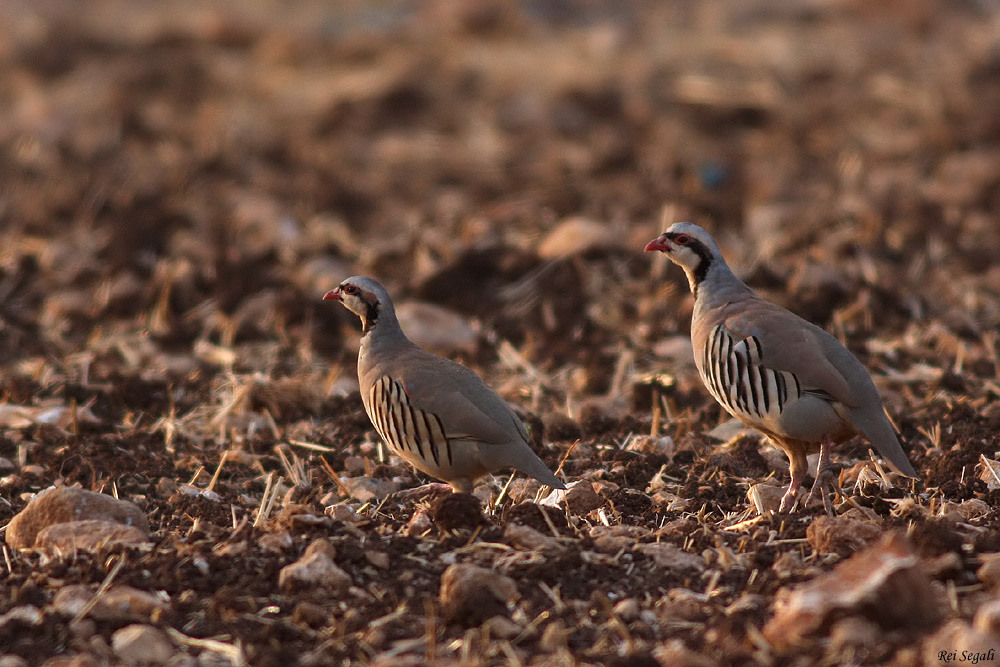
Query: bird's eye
point(349, 289)
point(682, 239)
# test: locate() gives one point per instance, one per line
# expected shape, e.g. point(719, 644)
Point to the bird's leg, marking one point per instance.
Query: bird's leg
point(797, 465)
point(824, 478)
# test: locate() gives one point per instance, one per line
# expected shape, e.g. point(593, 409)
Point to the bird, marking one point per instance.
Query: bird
point(773, 370)
point(433, 412)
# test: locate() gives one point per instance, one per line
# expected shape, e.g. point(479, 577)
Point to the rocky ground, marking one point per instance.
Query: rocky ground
point(182, 182)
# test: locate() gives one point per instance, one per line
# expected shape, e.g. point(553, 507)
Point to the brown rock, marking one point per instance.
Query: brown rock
point(766, 498)
point(142, 645)
point(471, 594)
point(853, 633)
point(989, 571)
point(839, 535)
point(884, 583)
point(315, 570)
point(987, 618)
point(78, 660)
point(127, 604)
point(453, 511)
point(672, 558)
point(64, 504)
point(526, 537)
point(582, 499)
point(91, 536)
point(674, 653)
point(612, 539)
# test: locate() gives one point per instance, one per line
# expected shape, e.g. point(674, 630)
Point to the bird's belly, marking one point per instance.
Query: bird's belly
point(811, 418)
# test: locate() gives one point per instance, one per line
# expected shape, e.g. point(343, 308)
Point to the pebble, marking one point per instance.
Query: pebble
point(628, 609)
point(471, 594)
point(670, 557)
point(840, 535)
point(315, 570)
point(989, 572)
point(766, 498)
point(365, 488)
point(128, 604)
point(142, 645)
point(887, 574)
point(25, 614)
point(581, 499)
point(987, 618)
point(63, 504)
point(90, 536)
point(526, 537)
point(379, 559)
point(676, 654)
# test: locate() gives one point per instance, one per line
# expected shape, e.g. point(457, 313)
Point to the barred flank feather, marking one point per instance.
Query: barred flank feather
point(406, 429)
point(736, 378)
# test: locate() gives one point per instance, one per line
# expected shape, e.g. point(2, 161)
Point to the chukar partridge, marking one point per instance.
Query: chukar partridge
point(431, 411)
point(773, 370)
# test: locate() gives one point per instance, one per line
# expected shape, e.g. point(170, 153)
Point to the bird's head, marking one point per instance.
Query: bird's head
point(362, 296)
point(689, 246)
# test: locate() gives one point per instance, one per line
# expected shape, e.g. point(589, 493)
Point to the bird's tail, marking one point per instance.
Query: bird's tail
point(876, 427)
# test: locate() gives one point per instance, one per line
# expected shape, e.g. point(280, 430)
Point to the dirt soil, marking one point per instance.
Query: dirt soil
point(182, 182)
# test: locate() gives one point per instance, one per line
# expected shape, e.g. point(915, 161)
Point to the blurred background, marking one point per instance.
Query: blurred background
point(182, 181)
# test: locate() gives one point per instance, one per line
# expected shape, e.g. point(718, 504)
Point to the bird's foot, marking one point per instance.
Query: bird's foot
point(825, 484)
point(824, 479)
point(788, 500)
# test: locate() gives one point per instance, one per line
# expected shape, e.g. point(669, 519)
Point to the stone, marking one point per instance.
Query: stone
point(315, 570)
point(766, 498)
point(989, 571)
point(840, 535)
point(142, 645)
point(64, 504)
point(90, 536)
point(883, 583)
point(581, 499)
point(853, 632)
point(365, 488)
point(470, 594)
point(25, 614)
point(987, 618)
point(127, 604)
point(379, 559)
point(526, 537)
point(670, 557)
point(673, 653)
point(628, 609)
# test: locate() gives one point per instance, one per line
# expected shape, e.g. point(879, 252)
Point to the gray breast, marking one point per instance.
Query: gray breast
point(409, 431)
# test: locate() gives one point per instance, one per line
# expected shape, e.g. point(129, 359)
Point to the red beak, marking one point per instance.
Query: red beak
point(659, 243)
point(332, 295)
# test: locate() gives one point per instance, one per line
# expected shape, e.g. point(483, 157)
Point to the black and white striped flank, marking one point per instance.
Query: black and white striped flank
point(735, 377)
point(407, 430)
